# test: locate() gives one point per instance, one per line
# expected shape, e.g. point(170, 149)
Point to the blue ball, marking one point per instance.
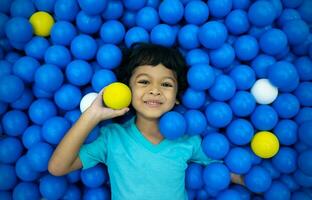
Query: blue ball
point(147, 18)
point(6, 68)
point(3, 108)
point(152, 3)
point(102, 78)
point(53, 187)
point(8, 177)
point(261, 63)
point(267, 165)
point(3, 20)
point(128, 19)
point(305, 133)
point(10, 150)
point(302, 179)
point(66, 10)
point(94, 133)
point(18, 29)
point(36, 47)
point(54, 129)
point(79, 72)
point(196, 122)
point(290, 182)
point(74, 176)
point(257, 179)
point(194, 176)
point(41, 110)
point(273, 41)
point(261, 13)
point(286, 105)
point(39, 155)
point(22, 8)
point(240, 132)
point(93, 7)
point(286, 132)
point(63, 32)
point(25, 68)
point(44, 5)
point(109, 56)
point(243, 76)
point(94, 177)
point(246, 48)
point(237, 22)
point(112, 32)
point(219, 9)
point(238, 160)
point(287, 15)
point(171, 11)
point(305, 162)
point(244, 193)
point(49, 77)
point(305, 11)
point(200, 77)
point(73, 115)
point(277, 191)
point(223, 88)
point(57, 55)
point(5, 6)
point(11, 88)
point(292, 3)
point(163, 34)
point(219, 114)
point(296, 31)
point(96, 193)
point(304, 93)
point(187, 36)
point(298, 195)
point(283, 75)
point(217, 176)
point(114, 10)
point(229, 194)
point(83, 47)
point(193, 99)
point(88, 24)
point(26, 190)
point(196, 12)
point(304, 114)
point(72, 192)
point(197, 56)
point(285, 160)
point(24, 101)
point(215, 145)
point(134, 5)
point(304, 68)
point(212, 34)
point(136, 34)
point(31, 136)
point(223, 56)
point(67, 97)
point(264, 117)
point(172, 125)
point(14, 122)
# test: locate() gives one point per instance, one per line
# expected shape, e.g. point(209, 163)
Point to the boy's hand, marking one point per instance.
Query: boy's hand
point(101, 112)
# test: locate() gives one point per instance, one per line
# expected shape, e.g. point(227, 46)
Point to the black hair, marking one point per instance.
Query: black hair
point(152, 54)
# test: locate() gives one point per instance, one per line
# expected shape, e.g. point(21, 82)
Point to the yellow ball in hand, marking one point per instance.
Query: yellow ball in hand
point(117, 96)
point(42, 23)
point(265, 144)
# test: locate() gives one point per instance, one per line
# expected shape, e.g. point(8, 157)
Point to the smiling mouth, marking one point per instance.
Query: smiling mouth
point(153, 103)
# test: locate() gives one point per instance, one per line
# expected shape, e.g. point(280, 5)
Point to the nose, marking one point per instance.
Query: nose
point(154, 91)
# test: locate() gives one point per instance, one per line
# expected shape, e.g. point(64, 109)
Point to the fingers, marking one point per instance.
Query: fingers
point(121, 112)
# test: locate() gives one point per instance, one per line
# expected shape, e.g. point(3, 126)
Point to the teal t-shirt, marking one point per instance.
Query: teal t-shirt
point(138, 169)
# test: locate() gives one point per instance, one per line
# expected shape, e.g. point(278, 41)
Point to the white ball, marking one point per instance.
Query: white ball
point(87, 100)
point(264, 92)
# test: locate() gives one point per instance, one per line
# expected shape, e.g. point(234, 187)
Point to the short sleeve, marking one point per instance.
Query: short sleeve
point(95, 152)
point(198, 155)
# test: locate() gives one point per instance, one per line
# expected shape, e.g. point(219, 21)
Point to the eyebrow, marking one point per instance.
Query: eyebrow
point(166, 77)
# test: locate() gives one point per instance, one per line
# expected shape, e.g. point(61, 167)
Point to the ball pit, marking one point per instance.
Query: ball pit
point(249, 71)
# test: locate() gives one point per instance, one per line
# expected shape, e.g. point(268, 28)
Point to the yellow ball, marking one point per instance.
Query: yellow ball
point(117, 96)
point(42, 23)
point(265, 144)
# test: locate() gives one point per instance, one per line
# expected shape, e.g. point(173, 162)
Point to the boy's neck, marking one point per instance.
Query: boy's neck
point(149, 129)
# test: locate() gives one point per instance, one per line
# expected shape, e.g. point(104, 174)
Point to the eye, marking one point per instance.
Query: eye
point(143, 82)
point(166, 84)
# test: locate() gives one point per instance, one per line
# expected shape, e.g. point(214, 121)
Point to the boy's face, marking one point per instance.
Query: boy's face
point(154, 90)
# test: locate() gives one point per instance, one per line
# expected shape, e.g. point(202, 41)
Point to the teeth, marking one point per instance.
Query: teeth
point(152, 102)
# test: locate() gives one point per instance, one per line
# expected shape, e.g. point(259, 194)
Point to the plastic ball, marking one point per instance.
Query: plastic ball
point(286, 132)
point(134, 5)
point(72, 192)
point(94, 177)
point(26, 190)
point(261, 63)
point(83, 47)
point(278, 191)
point(11, 88)
point(22, 8)
point(194, 176)
point(63, 32)
point(240, 132)
point(93, 7)
point(36, 47)
point(53, 187)
point(40, 93)
point(217, 176)
point(18, 29)
point(285, 160)
point(79, 72)
point(296, 31)
point(215, 145)
point(44, 5)
point(261, 13)
point(136, 34)
point(300, 196)
point(257, 179)
point(304, 162)
point(67, 97)
point(305, 133)
point(302, 179)
point(267, 165)
point(223, 88)
point(117, 96)
point(102, 78)
point(31, 136)
point(109, 56)
point(41, 110)
point(304, 93)
point(219, 9)
point(193, 99)
point(114, 10)
point(87, 100)
point(57, 55)
point(39, 155)
point(304, 10)
point(187, 36)
point(283, 75)
point(218, 114)
point(273, 41)
point(197, 56)
point(196, 122)
point(8, 177)
point(229, 194)
point(304, 68)
point(66, 10)
point(24, 171)
point(243, 76)
point(196, 12)
point(172, 125)
point(6, 68)
point(112, 32)
point(286, 105)
point(10, 150)
point(222, 57)
point(237, 22)
point(246, 47)
point(49, 77)
point(200, 77)
point(212, 34)
point(88, 24)
point(42, 23)
point(265, 144)
point(266, 97)
point(128, 19)
point(14, 122)
point(171, 12)
point(238, 160)
point(25, 68)
point(242, 103)
point(163, 34)
point(303, 115)
point(147, 18)
point(54, 129)
point(290, 182)
point(96, 193)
